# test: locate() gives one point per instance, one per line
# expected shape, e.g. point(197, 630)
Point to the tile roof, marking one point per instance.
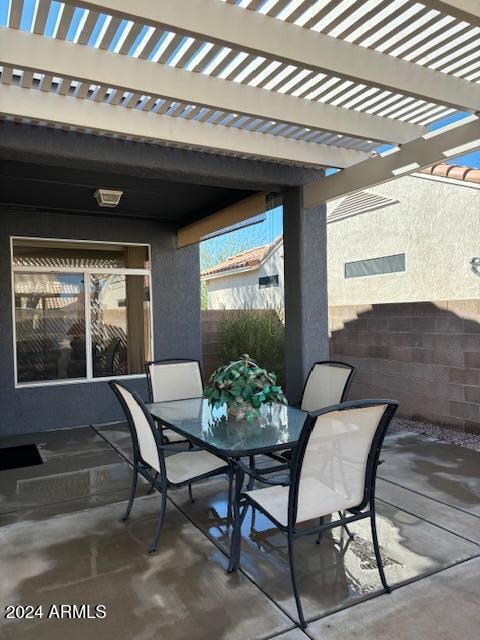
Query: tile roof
point(468, 174)
point(251, 258)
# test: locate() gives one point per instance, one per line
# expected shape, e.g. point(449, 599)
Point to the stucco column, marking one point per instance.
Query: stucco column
point(306, 291)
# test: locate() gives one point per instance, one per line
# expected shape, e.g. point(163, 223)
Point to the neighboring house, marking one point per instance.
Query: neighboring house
point(253, 278)
point(411, 239)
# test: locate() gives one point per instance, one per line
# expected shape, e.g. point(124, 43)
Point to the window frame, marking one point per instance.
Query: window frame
point(87, 271)
point(271, 284)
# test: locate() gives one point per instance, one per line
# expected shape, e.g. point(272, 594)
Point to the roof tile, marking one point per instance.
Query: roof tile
point(468, 174)
point(250, 258)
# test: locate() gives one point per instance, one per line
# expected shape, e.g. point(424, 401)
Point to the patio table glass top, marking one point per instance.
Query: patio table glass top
point(278, 427)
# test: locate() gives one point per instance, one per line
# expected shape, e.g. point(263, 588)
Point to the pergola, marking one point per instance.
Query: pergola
point(309, 84)
point(315, 83)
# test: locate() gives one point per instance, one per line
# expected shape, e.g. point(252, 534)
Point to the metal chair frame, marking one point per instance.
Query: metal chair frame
point(366, 508)
point(140, 466)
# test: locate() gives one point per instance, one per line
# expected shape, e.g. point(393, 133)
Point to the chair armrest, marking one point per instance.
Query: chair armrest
point(259, 477)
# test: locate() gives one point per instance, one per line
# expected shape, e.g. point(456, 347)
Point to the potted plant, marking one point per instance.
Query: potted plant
point(244, 387)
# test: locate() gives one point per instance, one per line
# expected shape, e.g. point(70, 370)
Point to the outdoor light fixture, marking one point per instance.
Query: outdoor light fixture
point(107, 197)
point(475, 265)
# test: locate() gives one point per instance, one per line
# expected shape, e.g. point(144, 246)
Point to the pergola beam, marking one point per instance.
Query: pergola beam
point(467, 10)
point(59, 58)
point(248, 31)
point(451, 141)
point(88, 114)
point(234, 214)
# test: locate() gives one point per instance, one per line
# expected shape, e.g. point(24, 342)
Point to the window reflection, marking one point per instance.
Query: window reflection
point(66, 331)
point(120, 316)
point(50, 326)
point(50, 253)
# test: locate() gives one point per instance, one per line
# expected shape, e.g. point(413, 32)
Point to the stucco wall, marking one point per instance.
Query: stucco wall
point(176, 318)
point(436, 223)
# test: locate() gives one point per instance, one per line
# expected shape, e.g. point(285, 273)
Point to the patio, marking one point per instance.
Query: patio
point(62, 542)
point(131, 131)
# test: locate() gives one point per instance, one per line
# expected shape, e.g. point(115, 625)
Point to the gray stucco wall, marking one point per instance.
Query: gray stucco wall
point(176, 318)
point(306, 291)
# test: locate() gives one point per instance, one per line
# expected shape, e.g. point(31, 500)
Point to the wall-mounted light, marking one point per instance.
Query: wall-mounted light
point(475, 265)
point(107, 197)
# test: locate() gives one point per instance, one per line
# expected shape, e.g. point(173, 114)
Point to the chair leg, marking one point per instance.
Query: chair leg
point(238, 540)
point(378, 557)
point(230, 497)
point(252, 521)
point(161, 517)
point(348, 532)
point(251, 460)
point(133, 490)
point(233, 561)
point(152, 486)
point(291, 560)
point(320, 533)
point(190, 493)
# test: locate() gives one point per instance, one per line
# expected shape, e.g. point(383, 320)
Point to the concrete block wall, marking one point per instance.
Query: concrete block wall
point(210, 323)
point(424, 354)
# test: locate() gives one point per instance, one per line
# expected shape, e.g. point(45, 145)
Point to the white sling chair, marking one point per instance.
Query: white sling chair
point(173, 380)
point(327, 383)
point(181, 469)
point(333, 470)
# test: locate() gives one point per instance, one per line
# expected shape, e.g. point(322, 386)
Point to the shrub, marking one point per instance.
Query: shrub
point(260, 333)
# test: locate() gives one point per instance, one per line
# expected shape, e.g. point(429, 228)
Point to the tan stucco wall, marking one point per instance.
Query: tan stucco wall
point(436, 224)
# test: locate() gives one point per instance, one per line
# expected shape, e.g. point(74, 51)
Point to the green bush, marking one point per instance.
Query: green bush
point(260, 333)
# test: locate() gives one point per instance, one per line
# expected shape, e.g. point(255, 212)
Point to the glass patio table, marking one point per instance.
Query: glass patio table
point(278, 428)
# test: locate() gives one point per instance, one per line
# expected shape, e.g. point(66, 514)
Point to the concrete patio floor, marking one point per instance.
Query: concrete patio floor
point(62, 542)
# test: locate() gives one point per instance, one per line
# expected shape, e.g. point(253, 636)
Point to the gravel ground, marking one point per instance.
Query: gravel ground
point(468, 440)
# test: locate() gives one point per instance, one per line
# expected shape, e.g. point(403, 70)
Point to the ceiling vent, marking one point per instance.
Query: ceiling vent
point(107, 197)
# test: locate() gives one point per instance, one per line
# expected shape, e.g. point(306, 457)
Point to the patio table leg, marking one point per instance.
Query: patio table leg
point(237, 521)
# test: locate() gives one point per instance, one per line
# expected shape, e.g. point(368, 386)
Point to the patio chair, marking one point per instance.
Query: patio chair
point(333, 471)
point(177, 379)
point(327, 384)
point(149, 460)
